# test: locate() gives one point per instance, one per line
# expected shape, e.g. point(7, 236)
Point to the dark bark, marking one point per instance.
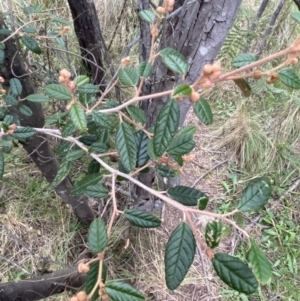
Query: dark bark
point(268, 31)
point(38, 147)
point(297, 2)
point(87, 29)
point(41, 287)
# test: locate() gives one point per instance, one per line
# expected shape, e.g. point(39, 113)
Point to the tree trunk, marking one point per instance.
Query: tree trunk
point(197, 31)
point(41, 287)
point(37, 146)
point(87, 29)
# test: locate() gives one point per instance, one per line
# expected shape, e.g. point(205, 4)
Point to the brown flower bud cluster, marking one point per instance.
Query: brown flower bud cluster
point(125, 61)
point(63, 30)
point(2, 91)
point(80, 296)
point(209, 76)
point(167, 161)
point(83, 268)
point(168, 7)
point(64, 79)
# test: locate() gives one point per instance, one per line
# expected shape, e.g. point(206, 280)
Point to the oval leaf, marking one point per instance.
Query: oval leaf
point(235, 273)
point(179, 255)
point(165, 127)
point(96, 191)
point(142, 219)
point(78, 116)
point(259, 263)
point(99, 147)
point(137, 114)
point(128, 76)
point(88, 89)
point(141, 140)
point(126, 146)
point(289, 77)
point(203, 111)
point(75, 154)
point(296, 16)
point(256, 195)
point(174, 60)
point(97, 236)
point(58, 92)
point(243, 59)
point(24, 110)
point(15, 86)
point(120, 291)
point(186, 195)
point(182, 90)
point(145, 69)
point(89, 180)
point(63, 171)
point(103, 120)
point(37, 98)
point(147, 15)
point(22, 133)
point(81, 80)
point(31, 44)
point(181, 144)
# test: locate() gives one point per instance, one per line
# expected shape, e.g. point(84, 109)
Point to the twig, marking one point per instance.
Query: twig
point(205, 174)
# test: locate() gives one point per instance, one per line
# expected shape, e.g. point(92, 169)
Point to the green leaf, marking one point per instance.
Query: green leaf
point(142, 219)
point(243, 59)
point(75, 154)
point(5, 31)
point(92, 279)
point(289, 77)
point(243, 86)
point(99, 147)
point(89, 89)
point(256, 195)
point(58, 92)
point(213, 233)
point(203, 203)
point(174, 60)
point(182, 90)
point(145, 69)
point(203, 111)
point(2, 46)
point(186, 195)
point(126, 146)
point(235, 273)
point(60, 20)
point(166, 171)
point(296, 16)
point(165, 127)
point(93, 167)
point(22, 133)
point(29, 29)
point(88, 140)
point(24, 110)
point(82, 185)
point(81, 80)
point(103, 120)
point(181, 144)
point(56, 118)
point(96, 191)
point(31, 44)
point(63, 171)
point(179, 255)
point(8, 119)
point(68, 129)
point(147, 15)
point(137, 114)
point(37, 98)
point(97, 236)
point(15, 86)
point(150, 150)
point(2, 56)
point(141, 140)
point(1, 165)
point(33, 9)
point(128, 76)
point(78, 116)
point(10, 100)
point(120, 291)
point(260, 264)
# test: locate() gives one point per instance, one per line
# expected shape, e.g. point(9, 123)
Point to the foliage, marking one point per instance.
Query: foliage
point(98, 126)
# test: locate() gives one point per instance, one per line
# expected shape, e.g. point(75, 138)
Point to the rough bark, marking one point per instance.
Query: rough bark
point(88, 32)
point(38, 147)
point(41, 287)
point(197, 29)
